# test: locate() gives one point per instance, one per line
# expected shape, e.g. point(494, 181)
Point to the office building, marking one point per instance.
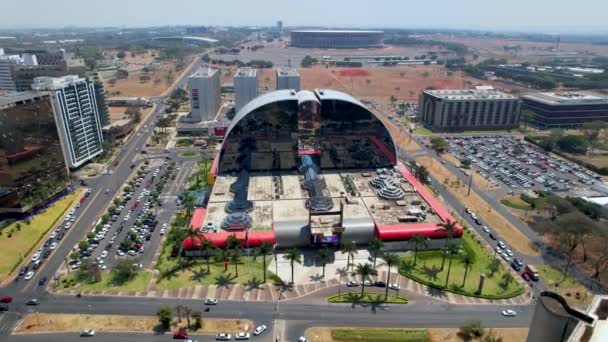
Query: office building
point(337, 39)
point(566, 109)
point(311, 168)
point(7, 71)
point(245, 87)
point(280, 26)
point(32, 165)
point(288, 78)
point(459, 110)
point(205, 100)
point(78, 121)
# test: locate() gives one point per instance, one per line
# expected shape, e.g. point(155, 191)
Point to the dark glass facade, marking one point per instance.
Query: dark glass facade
point(341, 135)
point(32, 165)
point(565, 116)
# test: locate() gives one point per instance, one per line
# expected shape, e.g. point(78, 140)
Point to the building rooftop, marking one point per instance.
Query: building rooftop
point(470, 94)
point(54, 83)
point(9, 99)
point(568, 98)
point(337, 31)
point(204, 72)
point(246, 72)
point(287, 71)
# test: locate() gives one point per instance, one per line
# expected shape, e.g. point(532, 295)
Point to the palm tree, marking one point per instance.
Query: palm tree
point(364, 270)
point(206, 246)
point(467, 260)
point(192, 235)
point(293, 255)
point(390, 259)
point(375, 248)
point(233, 242)
point(263, 250)
point(188, 202)
point(507, 278)
point(187, 313)
point(451, 249)
point(349, 248)
point(235, 257)
point(179, 310)
point(324, 255)
point(493, 266)
point(449, 227)
point(417, 240)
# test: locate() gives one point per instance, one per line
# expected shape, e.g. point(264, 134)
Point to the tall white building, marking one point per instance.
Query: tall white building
point(288, 78)
point(245, 87)
point(7, 63)
point(78, 122)
point(204, 90)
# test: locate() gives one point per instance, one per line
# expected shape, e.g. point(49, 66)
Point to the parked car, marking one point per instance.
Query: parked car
point(87, 333)
point(379, 283)
point(394, 287)
point(352, 283)
point(210, 301)
point(33, 301)
point(6, 299)
point(260, 329)
point(242, 336)
point(223, 337)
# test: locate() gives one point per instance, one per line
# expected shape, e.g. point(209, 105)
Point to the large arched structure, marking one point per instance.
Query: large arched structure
point(283, 124)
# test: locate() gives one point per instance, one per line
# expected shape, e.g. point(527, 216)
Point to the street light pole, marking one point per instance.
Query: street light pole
point(470, 181)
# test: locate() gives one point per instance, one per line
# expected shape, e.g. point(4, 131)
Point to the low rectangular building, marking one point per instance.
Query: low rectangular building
point(288, 78)
point(467, 109)
point(566, 109)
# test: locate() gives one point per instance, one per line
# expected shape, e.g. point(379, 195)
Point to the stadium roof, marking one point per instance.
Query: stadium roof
point(336, 31)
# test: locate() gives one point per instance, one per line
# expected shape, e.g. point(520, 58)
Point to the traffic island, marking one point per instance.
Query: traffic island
point(366, 298)
point(62, 323)
point(188, 154)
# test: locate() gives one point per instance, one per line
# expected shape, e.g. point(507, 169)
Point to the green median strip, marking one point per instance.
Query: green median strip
point(381, 335)
point(370, 298)
point(515, 205)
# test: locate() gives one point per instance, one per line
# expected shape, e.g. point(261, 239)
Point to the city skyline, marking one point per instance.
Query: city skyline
point(557, 15)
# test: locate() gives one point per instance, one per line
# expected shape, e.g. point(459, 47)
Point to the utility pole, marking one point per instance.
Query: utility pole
point(470, 181)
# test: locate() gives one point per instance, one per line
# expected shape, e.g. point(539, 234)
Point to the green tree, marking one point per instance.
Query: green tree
point(324, 255)
point(263, 250)
point(233, 242)
point(188, 202)
point(365, 271)
point(350, 249)
point(449, 228)
point(592, 132)
point(573, 144)
point(293, 255)
point(197, 316)
point(206, 247)
point(375, 248)
point(390, 259)
point(417, 240)
point(507, 278)
point(493, 266)
point(470, 330)
point(90, 235)
point(439, 144)
point(528, 116)
point(187, 313)
point(452, 250)
point(165, 316)
point(235, 258)
point(467, 260)
point(83, 245)
point(74, 255)
point(123, 271)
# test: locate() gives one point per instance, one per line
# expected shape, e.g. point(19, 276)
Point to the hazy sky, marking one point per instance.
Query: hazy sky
point(531, 15)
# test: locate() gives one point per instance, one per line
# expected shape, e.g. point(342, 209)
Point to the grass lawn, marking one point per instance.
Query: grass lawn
point(514, 205)
point(423, 131)
point(139, 283)
point(195, 273)
point(355, 297)
point(24, 239)
point(189, 154)
point(574, 292)
point(184, 142)
point(380, 335)
point(428, 271)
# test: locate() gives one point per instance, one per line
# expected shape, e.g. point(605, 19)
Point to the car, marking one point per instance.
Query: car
point(501, 244)
point(379, 283)
point(53, 246)
point(211, 301)
point(33, 301)
point(485, 229)
point(36, 264)
point(367, 282)
point(104, 254)
point(509, 252)
point(505, 256)
point(526, 276)
point(352, 283)
point(223, 337)
point(302, 339)
point(162, 231)
point(120, 253)
point(477, 222)
point(509, 313)
point(6, 299)
point(180, 335)
point(259, 330)
point(394, 287)
point(36, 257)
point(53, 235)
point(23, 271)
point(242, 336)
point(491, 235)
point(87, 333)
point(3, 307)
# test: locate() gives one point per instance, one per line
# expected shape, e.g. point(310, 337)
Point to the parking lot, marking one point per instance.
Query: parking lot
point(516, 164)
point(129, 228)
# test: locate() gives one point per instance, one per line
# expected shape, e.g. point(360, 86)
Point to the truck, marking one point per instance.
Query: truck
point(532, 272)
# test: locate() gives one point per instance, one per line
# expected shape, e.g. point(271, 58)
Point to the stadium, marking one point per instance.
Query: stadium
point(311, 168)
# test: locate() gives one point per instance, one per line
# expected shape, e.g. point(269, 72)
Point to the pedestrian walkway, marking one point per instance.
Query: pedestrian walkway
point(270, 292)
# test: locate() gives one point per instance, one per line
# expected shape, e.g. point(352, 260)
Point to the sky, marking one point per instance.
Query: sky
point(549, 16)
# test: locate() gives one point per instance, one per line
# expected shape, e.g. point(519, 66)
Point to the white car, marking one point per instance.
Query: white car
point(394, 287)
point(29, 275)
point(223, 337)
point(120, 253)
point(131, 252)
point(210, 301)
point(242, 336)
point(352, 283)
point(259, 330)
point(162, 231)
point(53, 235)
point(87, 333)
point(509, 313)
point(302, 339)
point(104, 254)
point(53, 246)
point(485, 229)
point(68, 225)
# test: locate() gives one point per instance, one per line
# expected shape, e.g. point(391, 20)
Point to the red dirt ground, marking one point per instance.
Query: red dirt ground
point(353, 72)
